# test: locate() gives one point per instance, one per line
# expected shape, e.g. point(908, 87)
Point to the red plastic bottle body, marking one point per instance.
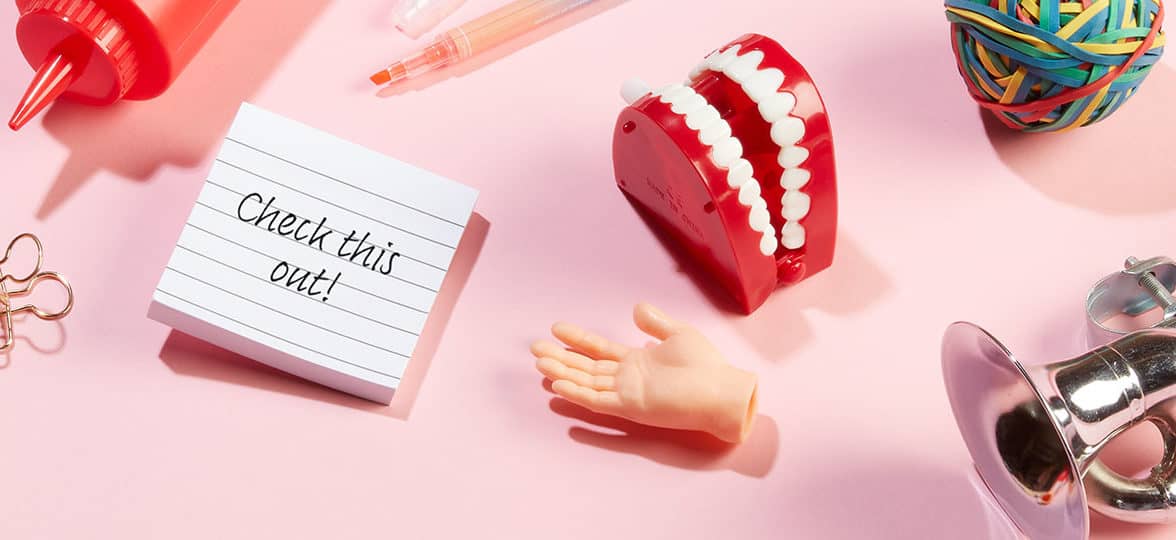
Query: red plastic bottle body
point(100, 51)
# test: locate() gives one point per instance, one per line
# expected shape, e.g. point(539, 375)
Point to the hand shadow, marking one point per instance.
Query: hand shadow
point(186, 355)
point(45, 337)
point(682, 449)
point(1114, 167)
point(181, 126)
point(497, 53)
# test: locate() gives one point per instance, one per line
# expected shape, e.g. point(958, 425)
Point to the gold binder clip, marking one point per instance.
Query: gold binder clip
point(27, 282)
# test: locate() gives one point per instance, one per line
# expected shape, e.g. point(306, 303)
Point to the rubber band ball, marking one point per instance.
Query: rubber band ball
point(1050, 65)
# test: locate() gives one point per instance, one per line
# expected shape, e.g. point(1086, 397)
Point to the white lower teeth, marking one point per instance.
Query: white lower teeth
point(689, 104)
point(759, 219)
point(768, 243)
point(715, 132)
point(726, 151)
point(677, 93)
point(795, 205)
point(749, 192)
point(739, 174)
point(702, 118)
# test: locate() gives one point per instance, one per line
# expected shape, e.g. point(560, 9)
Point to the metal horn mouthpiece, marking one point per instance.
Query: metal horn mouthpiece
point(1035, 432)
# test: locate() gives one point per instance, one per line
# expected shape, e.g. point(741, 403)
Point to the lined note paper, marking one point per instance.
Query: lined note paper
point(313, 255)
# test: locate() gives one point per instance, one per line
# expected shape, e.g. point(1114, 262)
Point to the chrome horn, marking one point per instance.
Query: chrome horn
point(1035, 432)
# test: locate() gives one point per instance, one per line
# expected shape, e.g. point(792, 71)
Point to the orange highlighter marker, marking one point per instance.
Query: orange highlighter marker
point(478, 35)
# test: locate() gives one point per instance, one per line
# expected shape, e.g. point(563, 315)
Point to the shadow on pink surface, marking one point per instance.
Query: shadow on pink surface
point(497, 53)
point(851, 284)
point(778, 327)
point(44, 337)
point(180, 127)
point(1114, 167)
point(682, 449)
point(186, 355)
point(896, 498)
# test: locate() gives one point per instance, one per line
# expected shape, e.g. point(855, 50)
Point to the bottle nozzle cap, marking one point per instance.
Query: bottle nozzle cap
point(415, 17)
point(52, 78)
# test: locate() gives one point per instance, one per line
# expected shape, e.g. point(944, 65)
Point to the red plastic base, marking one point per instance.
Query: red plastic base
point(664, 168)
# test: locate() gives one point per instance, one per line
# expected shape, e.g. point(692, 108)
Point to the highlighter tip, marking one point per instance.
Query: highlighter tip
point(392, 74)
point(383, 77)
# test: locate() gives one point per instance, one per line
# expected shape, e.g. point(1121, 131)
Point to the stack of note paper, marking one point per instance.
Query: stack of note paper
point(313, 255)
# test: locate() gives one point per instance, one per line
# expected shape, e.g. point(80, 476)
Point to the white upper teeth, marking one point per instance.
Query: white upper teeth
point(775, 106)
point(745, 66)
point(720, 60)
point(726, 152)
point(764, 84)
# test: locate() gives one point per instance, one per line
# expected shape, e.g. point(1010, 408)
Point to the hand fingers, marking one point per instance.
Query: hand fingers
point(541, 349)
point(656, 323)
point(556, 371)
point(593, 400)
point(594, 346)
point(574, 360)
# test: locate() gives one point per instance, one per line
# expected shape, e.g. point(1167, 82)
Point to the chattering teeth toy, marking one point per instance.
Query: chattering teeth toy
point(737, 165)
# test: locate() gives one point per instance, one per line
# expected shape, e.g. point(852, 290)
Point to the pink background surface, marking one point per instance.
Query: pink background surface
point(131, 431)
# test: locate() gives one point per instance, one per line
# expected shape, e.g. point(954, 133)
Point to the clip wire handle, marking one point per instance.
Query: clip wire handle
point(30, 282)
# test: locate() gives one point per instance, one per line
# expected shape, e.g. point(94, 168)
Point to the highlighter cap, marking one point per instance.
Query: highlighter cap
point(415, 17)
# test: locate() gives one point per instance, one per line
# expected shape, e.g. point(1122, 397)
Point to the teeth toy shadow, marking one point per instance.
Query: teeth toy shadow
point(852, 283)
point(779, 327)
point(703, 281)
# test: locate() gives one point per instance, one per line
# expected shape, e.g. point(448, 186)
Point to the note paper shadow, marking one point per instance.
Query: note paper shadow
point(192, 357)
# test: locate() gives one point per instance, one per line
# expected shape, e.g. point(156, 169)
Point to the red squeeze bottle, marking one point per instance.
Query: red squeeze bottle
point(100, 51)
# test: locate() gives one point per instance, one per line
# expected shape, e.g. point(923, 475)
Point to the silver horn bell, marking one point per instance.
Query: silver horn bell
point(1035, 432)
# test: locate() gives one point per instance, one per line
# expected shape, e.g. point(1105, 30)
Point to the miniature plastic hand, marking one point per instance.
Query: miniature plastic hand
point(682, 382)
